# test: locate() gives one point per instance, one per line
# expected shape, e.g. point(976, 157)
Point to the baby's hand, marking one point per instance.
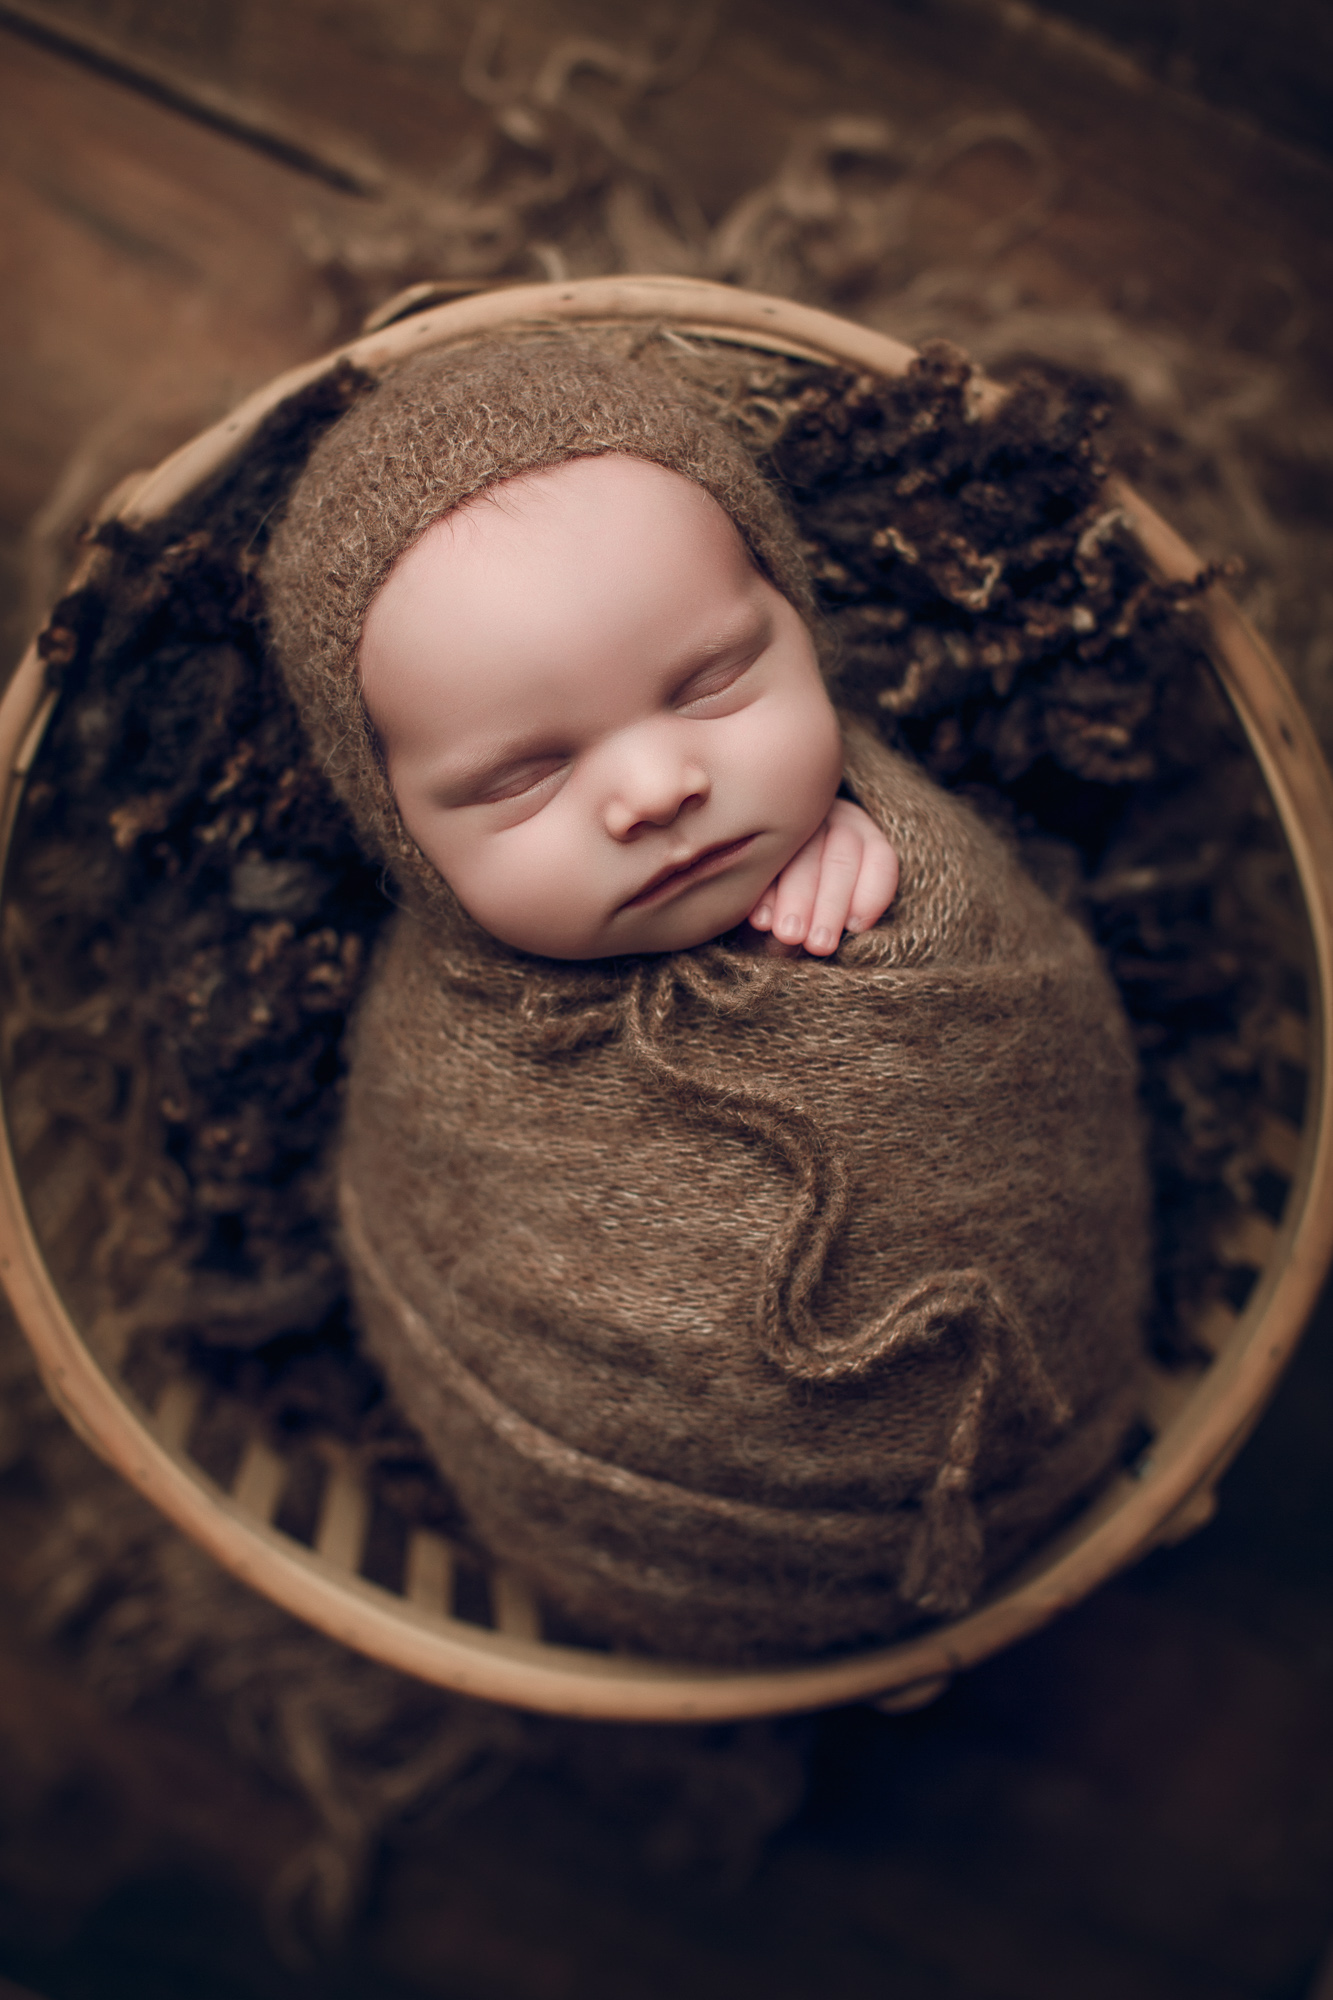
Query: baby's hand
point(844, 878)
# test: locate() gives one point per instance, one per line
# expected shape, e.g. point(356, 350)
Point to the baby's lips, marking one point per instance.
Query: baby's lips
point(704, 862)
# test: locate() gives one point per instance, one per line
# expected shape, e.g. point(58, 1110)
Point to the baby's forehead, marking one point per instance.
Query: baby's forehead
point(588, 530)
point(554, 564)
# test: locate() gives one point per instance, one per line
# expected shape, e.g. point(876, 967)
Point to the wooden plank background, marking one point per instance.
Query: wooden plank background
point(192, 197)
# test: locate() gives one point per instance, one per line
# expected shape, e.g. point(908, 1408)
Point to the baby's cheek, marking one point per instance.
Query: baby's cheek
point(806, 762)
point(525, 889)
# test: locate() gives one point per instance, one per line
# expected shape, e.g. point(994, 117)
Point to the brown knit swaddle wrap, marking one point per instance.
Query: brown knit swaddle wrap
point(750, 1306)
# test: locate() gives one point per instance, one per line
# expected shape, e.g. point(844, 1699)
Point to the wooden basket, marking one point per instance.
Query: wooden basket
point(1199, 1416)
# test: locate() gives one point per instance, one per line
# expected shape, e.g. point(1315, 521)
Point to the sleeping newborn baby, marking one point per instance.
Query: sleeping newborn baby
point(608, 730)
point(756, 1294)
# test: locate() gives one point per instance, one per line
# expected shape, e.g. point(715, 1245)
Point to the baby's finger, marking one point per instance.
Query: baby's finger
point(761, 919)
point(839, 872)
point(876, 884)
point(794, 891)
point(761, 916)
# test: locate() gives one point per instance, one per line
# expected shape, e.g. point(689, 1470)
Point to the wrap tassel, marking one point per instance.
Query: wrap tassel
point(944, 1565)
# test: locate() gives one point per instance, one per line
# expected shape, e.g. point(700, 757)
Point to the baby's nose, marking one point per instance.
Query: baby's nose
point(653, 790)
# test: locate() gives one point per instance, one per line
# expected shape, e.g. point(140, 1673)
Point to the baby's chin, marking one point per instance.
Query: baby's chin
point(711, 911)
point(679, 926)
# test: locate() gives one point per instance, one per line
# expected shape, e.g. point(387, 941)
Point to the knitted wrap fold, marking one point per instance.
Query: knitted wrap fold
point(750, 1306)
point(754, 1307)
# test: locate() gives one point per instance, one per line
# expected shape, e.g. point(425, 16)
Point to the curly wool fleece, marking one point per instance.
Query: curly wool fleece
point(751, 1307)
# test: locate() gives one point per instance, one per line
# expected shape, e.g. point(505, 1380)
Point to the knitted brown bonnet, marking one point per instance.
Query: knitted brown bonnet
point(749, 1307)
point(437, 431)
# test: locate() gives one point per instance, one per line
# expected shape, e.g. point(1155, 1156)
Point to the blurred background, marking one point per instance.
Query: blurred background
point(198, 1799)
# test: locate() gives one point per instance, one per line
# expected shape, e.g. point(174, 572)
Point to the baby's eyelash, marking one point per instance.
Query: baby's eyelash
point(715, 681)
point(512, 785)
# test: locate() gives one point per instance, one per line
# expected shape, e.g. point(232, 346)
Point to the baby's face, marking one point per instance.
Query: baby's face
point(602, 725)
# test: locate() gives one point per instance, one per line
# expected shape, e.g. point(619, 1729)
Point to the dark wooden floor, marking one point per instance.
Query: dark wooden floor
point(1138, 1802)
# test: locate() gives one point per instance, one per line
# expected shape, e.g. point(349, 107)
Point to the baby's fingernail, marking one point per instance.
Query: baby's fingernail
point(820, 940)
point(762, 917)
point(854, 925)
point(791, 927)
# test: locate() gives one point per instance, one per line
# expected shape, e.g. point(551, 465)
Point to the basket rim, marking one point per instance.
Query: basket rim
point(1131, 1513)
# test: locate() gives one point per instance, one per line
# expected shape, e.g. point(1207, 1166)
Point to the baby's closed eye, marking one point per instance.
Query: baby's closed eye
point(726, 667)
point(518, 779)
point(706, 686)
